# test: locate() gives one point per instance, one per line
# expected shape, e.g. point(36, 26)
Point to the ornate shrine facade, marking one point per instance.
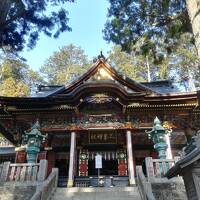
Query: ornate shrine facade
point(101, 112)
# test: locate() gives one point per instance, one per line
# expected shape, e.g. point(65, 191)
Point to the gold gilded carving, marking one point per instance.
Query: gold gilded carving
point(168, 125)
point(98, 98)
point(74, 127)
point(128, 125)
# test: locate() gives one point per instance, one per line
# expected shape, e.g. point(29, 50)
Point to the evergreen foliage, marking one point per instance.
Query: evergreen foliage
point(160, 33)
point(128, 20)
point(16, 78)
point(65, 65)
point(23, 20)
point(128, 64)
point(13, 88)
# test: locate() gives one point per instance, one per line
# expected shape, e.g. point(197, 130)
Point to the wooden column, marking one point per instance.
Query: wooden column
point(51, 157)
point(72, 160)
point(169, 149)
point(130, 158)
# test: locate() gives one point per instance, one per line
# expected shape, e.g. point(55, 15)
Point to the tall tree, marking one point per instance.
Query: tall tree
point(65, 65)
point(16, 78)
point(155, 29)
point(13, 88)
point(130, 65)
point(14, 68)
point(23, 20)
point(193, 7)
point(33, 79)
point(185, 63)
point(128, 20)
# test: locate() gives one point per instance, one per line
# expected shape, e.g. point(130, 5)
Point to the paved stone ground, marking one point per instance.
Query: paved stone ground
point(169, 191)
point(16, 193)
point(115, 193)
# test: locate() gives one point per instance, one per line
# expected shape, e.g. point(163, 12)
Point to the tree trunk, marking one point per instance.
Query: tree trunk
point(148, 69)
point(193, 7)
point(4, 9)
point(191, 85)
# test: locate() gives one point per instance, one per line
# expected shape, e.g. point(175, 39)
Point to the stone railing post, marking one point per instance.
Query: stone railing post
point(42, 173)
point(176, 159)
point(45, 190)
point(4, 172)
point(144, 186)
point(55, 170)
point(149, 167)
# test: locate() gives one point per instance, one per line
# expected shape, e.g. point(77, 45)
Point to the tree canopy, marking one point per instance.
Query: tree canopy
point(17, 79)
point(21, 21)
point(128, 64)
point(128, 20)
point(193, 8)
point(159, 31)
point(65, 65)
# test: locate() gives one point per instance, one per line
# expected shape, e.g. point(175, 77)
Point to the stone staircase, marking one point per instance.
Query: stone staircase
point(16, 192)
point(115, 193)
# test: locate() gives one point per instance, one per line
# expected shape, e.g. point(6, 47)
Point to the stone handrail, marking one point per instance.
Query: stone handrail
point(20, 172)
point(144, 186)
point(1, 167)
point(48, 187)
point(156, 168)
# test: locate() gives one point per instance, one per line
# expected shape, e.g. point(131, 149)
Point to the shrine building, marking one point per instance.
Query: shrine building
point(101, 112)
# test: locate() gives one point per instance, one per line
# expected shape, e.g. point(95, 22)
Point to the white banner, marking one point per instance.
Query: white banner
point(98, 161)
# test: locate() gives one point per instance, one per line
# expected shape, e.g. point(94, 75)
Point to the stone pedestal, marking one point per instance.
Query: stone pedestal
point(191, 177)
point(189, 167)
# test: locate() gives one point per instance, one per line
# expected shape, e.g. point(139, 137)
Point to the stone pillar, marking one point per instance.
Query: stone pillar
point(4, 172)
point(42, 173)
point(130, 158)
point(72, 160)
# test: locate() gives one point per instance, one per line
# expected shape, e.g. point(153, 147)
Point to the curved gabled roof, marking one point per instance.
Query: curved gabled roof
point(113, 83)
point(102, 64)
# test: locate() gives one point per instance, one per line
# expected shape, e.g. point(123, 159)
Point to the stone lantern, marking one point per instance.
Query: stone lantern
point(33, 141)
point(157, 134)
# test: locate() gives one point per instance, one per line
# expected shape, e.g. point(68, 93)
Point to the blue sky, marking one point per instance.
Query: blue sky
point(87, 19)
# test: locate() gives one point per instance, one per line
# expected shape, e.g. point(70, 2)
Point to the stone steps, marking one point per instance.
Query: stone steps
point(115, 193)
point(16, 192)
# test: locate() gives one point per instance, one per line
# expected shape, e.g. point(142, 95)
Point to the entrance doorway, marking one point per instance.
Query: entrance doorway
point(114, 163)
point(62, 165)
point(109, 167)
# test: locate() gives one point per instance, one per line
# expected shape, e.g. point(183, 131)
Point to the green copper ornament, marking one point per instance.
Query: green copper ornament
point(157, 134)
point(33, 140)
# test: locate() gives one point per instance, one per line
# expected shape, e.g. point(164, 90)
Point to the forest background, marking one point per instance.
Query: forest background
point(152, 40)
